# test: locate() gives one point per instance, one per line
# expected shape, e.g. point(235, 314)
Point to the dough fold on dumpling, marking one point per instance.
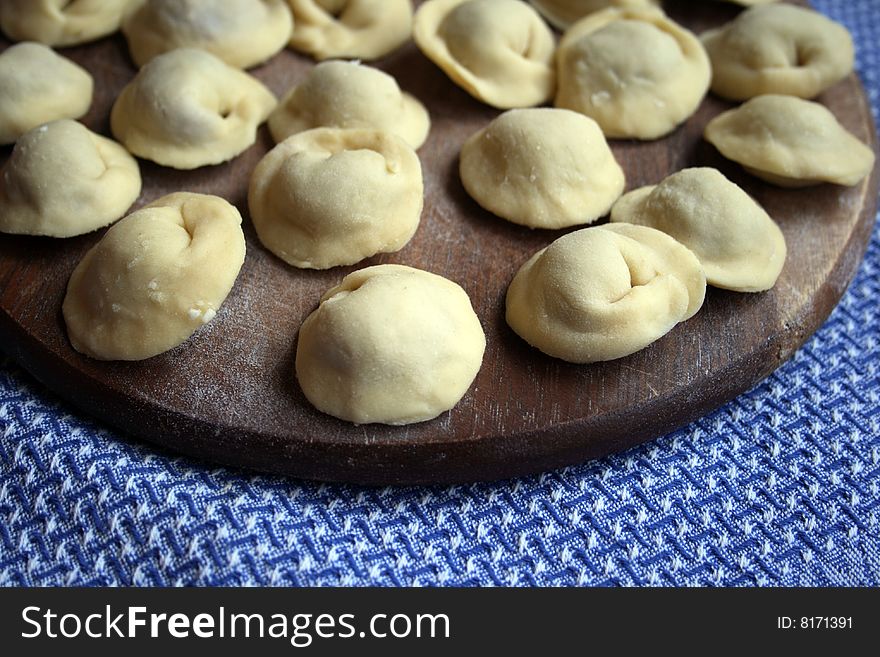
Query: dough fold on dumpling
point(604, 292)
point(542, 168)
point(343, 94)
point(634, 71)
point(62, 22)
point(562, 13)
point(790, 142)
point(39, 86)
point(64, 180)
point(778, 49)
point(362, 29)
point(740, 247)
point(499, 51)
point(390, 344)
point(186, 109)
point(330, 196)
point(154, 278)
point(243, 33)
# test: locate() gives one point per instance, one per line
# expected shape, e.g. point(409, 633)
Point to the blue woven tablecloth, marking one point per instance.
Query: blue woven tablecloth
point(779, 487)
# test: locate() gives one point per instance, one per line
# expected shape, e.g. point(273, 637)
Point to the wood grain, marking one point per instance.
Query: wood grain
point(229, 394)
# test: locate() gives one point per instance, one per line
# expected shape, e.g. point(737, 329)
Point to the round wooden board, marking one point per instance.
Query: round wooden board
point(229, 394)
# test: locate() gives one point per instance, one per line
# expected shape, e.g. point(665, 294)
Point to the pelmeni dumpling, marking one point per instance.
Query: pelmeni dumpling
point(562, 13)
point(343, 94)
point(740, 247)
point(39, 86)
point(64, 180)
point(634, 71)
point(778, 49)
point(154, 278)
point(186, 109)
point(604, 292)
point(62, 22)
point(330, 196)
point(790, 142)
point(243, 33)
point(390, 344)
point(362, 29)
point(499, 51)
point(542, 168)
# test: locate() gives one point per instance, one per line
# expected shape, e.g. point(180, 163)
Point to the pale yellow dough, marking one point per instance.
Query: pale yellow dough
point(187, 108)
point(39, 86)
point(499, 51)
point(64, 180)
point(740, 247)
point(604, 292)
point(343, 94)
point(243, 33)
point(154, 278)
point(330, 196)
point(778, 49)
point(634, 71)
point(62, 22)
point(562, 13)
point(362, 29)
point(542, 168)
point(790, 142)
point(390, 344)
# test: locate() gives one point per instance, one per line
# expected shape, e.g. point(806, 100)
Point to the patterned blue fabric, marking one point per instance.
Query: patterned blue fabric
point(779, 487)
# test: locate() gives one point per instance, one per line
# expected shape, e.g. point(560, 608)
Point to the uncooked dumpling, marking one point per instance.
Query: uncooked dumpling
point(362, 29)
point(604, 292)
point(499, 51)
point(243, 33)
point(62, 22)
point(740, 247)
point(154, 278)
point(390, 344)
point(39, 86)
point(350, 95)
point(634, 71)
point(778, 49)
point(542, 168)
point(562, 13)
point(790, 142)
point(187, 109)
point(329, 196)
point(64, 180)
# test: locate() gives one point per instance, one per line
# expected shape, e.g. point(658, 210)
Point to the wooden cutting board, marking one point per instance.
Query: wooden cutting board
point(229, 395)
